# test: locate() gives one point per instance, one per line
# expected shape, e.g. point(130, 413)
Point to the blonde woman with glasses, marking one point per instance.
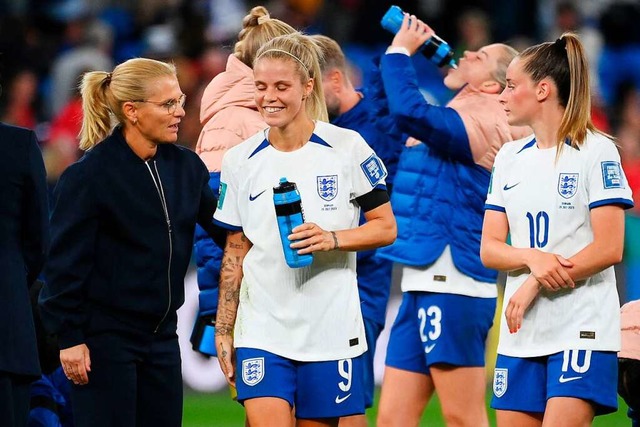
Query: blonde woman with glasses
point(122, 233)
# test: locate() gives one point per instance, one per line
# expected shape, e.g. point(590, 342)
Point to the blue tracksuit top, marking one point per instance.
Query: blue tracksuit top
point(374, 272)
point(208, 257)
point(439, 191)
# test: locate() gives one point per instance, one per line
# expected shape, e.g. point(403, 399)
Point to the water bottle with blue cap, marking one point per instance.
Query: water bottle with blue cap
point(435, 49)
point(289, 213)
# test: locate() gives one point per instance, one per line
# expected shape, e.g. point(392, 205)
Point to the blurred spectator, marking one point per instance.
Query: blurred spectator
point(473, 31)
point(302, 14)
point(514, 19)
point(159, 42)
point(92, 53)
point(61, 147)
point(126, 40)
point(190, 82)
point(20, 99)
point(225, 19)
point(627, 110)
point(212, 62)
point(620, 58)
point(569, 18)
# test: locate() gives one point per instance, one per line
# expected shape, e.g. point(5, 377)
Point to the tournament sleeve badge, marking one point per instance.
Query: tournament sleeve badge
point(611, 174)
point(223, 192)
point(373, 170)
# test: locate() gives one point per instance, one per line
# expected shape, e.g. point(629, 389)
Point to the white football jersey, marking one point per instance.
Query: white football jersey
point(310, 313)
point(548, 203)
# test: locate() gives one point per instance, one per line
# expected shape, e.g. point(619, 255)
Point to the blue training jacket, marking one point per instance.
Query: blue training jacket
point(208, 259)
point(439, 191)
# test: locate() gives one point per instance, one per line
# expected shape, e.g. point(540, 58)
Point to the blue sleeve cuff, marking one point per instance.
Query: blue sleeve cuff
point(625, 203)
point(226, 226)
point(488, 207)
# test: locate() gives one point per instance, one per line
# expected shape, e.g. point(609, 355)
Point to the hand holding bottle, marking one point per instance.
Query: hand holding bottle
point(432, 46)
point(310, 237)
point(412, 35)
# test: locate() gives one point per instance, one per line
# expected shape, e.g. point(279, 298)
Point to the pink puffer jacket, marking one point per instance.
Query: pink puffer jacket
point(630, 325)
point(228, 113)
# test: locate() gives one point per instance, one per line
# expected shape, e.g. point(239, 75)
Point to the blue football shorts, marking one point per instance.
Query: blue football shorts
point(435, 328)
point(524, 384)
point(326, 389)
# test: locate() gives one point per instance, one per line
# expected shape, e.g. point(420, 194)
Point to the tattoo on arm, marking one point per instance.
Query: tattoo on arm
point(230, 279)
point(223, 351)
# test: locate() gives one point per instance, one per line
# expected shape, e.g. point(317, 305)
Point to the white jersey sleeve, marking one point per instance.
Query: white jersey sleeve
point(370, 172)
point(607, 181)
point(227, 214)
point(495, 199)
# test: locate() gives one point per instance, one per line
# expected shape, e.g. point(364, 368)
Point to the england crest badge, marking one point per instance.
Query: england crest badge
point(253, 370)
point(327, 187)
point(567, 184)
point(500, 381)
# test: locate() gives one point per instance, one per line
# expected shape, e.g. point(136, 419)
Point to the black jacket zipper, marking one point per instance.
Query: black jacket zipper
point(163, 200)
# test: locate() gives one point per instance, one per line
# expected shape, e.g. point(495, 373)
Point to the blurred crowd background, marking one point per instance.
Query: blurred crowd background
point(46, 45)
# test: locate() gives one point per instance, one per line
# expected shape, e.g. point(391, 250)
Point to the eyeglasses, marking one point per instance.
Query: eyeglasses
point(171, 105)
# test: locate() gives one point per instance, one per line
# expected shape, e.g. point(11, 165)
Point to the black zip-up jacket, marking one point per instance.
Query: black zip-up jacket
point(121, 239)
point(24, 236)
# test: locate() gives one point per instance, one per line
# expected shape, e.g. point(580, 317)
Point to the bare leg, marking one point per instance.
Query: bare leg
point(462, 395)
point(268, 412)
point(353, 421)
point(404, 397)
point(568, 412)
point(519, 419)
point(324, 422)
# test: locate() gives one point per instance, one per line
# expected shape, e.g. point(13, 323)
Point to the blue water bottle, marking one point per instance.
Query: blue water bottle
point(286, 199)
point(435, 49)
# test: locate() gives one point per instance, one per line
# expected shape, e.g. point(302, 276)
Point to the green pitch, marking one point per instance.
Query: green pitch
point(218, 410)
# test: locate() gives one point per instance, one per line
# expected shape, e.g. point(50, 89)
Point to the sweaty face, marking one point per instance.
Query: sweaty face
point(279, 91)
point(519, 96)
point(155, 122)
point(474, 68)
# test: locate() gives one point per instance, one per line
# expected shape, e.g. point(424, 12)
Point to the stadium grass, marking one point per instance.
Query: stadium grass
point(218, 410)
